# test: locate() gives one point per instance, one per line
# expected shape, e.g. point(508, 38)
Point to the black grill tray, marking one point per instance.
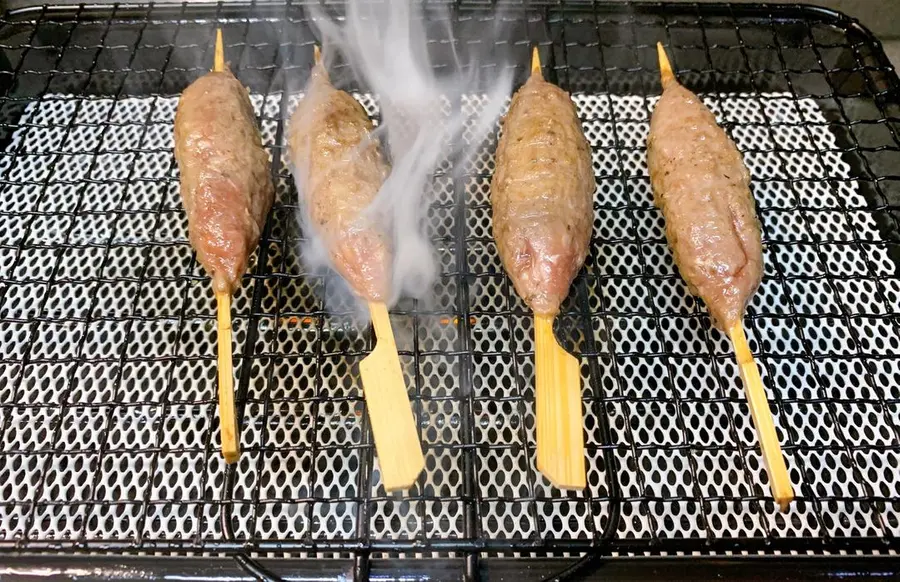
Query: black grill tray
point(108, 427)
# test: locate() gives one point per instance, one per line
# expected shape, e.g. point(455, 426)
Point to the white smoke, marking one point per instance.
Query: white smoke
point(419, 82)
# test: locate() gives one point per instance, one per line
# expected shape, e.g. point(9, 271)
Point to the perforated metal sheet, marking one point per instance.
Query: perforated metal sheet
point(131, 402)
point(108, 423)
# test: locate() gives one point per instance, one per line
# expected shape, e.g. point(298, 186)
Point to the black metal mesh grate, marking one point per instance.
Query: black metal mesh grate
point(107, 370)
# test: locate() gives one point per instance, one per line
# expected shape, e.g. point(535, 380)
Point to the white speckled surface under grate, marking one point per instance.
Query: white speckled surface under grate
point(107, 370)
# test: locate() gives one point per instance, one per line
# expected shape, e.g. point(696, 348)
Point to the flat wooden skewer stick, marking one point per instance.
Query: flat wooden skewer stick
point(393, 424)
point(231, 448)
point(779, 481)
point(560, 438)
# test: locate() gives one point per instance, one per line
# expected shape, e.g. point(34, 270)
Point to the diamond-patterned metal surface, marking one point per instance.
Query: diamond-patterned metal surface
point(107, 336)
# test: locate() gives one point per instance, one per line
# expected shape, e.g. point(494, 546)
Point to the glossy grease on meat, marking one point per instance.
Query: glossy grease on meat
point(226, 185)
point(339, 170)
point(542, 195)
point(702, 186)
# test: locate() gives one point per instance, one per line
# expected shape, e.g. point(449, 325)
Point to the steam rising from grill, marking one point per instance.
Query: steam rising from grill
point(419, 80)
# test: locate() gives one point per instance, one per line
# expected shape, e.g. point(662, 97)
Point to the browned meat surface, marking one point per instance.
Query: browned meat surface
point(339, 169)
point(703, 189)
point(542, 195)
point(225, 182)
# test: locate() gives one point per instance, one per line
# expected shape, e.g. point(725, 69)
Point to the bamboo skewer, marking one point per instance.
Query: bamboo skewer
point(560, 439)
point(536, 63)
point(231, 448)
point(559, 417)
point(666, 75)
point(219, 57)
point(393, 423)
point(779, 480)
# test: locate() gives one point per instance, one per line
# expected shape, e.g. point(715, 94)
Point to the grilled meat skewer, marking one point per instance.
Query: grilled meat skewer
point(703, 189)
point(227, 192)
point(542, 194)
point(542, 199)
point(339, 170)
point(226, 185)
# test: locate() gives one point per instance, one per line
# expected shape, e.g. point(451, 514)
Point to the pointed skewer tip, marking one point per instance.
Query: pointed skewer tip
point(665, 67)
point(219, 58)
point(536, 62)
point(318, 66)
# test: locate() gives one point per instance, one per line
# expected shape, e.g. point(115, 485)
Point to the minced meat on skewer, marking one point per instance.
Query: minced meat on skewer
point(542, 199)
point(542, 194)
point(339, 170)
point(703, 189)
point(227, 192)
point(226, 184)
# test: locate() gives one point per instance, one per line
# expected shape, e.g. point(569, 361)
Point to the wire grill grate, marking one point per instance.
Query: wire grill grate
point(107, 360)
